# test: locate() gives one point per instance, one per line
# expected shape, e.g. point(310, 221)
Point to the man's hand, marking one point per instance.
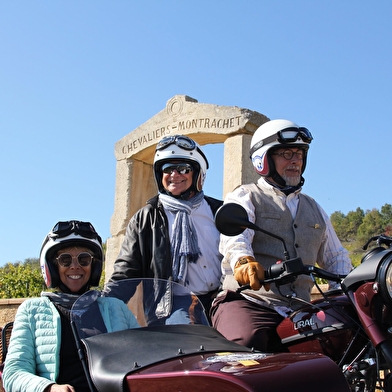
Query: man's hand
point(248, 271)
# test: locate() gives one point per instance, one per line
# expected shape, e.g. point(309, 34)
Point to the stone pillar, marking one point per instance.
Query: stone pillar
point(205, 123)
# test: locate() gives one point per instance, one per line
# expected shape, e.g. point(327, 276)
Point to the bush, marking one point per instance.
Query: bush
point(21, 280)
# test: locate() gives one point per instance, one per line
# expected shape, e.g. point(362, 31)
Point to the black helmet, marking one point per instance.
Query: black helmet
point(69, 233)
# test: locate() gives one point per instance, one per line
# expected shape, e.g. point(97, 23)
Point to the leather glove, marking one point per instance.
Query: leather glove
point(248, 271)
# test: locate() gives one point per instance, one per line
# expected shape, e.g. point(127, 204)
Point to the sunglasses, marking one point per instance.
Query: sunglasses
point(184, 168)
point(84, 229)
point(285, 136)
point(65, 259)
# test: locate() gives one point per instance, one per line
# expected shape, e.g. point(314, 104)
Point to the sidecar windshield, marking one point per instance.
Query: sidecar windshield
point(134, 303)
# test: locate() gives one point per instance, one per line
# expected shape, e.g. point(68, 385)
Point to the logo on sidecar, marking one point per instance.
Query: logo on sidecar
point(304, 323)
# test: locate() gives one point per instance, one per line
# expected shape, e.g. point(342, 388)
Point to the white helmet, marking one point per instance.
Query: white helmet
point(276, 134)
point(70, 233)
point(179, 147)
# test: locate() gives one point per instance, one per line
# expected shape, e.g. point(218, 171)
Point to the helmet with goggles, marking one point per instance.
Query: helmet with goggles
point(63, 235)
point(177, 149)
point(273, 135)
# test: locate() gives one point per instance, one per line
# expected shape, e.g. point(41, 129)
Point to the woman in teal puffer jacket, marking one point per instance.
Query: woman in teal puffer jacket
point(42, 354)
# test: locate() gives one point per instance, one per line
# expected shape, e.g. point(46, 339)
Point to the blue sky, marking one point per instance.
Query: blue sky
point(77, 76)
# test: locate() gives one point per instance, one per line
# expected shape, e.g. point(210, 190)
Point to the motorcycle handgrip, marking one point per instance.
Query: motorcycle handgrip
point(320, 273)
point(281, 270)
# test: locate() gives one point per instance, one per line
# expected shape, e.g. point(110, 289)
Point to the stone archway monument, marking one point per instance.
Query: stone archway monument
point(206, 124)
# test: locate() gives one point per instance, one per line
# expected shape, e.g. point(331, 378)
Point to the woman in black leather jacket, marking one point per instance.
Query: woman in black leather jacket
point(174, 236)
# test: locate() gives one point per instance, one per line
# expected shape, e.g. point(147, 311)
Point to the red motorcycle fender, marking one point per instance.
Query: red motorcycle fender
point(362, 298)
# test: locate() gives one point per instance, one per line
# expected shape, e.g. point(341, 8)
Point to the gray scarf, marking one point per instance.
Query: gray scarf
point(184, 244)
point(64, 300)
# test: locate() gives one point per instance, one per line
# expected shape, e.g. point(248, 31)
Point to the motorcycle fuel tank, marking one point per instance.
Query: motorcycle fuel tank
point(323, 327)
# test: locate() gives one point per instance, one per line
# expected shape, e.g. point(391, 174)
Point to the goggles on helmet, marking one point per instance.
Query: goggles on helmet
point(285, 136)
point(291, 135)
point(181, 141)
point(84, 229)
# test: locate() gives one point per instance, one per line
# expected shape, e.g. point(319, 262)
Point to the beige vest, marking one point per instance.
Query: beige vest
point(303, 238)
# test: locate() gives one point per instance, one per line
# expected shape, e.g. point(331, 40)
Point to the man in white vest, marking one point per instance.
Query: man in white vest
point(275, 203)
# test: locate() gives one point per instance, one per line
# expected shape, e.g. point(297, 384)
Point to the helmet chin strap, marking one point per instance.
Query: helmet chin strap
point(280, 183)
point(278, 180)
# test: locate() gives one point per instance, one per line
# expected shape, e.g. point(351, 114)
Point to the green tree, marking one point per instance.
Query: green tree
point(372, 224)
point(340, 224)
point(357, 227)
point(386, 214)
point(21, 280)
point(354, 221)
